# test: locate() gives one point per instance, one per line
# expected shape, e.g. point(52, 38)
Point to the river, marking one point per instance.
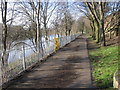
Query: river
point(16, 53)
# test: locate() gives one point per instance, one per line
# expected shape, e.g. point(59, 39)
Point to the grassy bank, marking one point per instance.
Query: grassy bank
point(104, 62)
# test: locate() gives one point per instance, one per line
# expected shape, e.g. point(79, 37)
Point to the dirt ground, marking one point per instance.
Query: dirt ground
point(68, 68)
point(113, 41)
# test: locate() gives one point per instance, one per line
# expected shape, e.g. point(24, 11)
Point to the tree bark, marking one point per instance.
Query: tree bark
point(4, 34)
point(93, 29)
point(102, 6)
point(96, 25)
point(110, 35)
point(38, 28)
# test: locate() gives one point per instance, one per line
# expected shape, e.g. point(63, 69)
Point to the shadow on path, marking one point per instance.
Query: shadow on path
point(69, 67)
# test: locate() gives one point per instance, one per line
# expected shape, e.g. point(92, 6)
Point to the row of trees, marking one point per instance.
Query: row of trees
point(35, 22)
point(98, 13)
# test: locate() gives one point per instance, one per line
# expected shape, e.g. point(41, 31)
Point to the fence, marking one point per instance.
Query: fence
point(25, 57)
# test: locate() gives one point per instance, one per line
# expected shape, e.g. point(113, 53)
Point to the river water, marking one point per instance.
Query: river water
point(16, 53)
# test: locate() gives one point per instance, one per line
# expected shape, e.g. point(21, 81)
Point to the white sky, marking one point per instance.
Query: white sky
point(17, 20)
point(75, 15)
point(68, 0)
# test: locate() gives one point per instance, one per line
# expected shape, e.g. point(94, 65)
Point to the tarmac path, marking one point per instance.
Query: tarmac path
point(69, 67)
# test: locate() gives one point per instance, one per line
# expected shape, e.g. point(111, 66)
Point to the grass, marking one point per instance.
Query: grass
point(105, 63)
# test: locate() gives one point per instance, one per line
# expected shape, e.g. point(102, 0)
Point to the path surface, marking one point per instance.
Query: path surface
point(68, 68)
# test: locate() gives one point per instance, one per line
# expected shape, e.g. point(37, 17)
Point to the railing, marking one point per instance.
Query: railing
point(24, 61)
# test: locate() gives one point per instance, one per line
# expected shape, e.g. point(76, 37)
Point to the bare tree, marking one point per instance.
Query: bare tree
point(67, 18)
point(97, 12)
point(47, 10)
point(112, 20)
point(82, 7)
point(31, 10)
point(4, 33)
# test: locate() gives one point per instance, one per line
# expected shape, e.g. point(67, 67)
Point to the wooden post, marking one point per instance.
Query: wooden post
point(24, 65)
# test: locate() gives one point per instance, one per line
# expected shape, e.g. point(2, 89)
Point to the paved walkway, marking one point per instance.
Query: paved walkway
point(68, 68)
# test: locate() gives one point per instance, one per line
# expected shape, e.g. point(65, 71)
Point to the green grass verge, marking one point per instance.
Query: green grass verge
point(105, 63)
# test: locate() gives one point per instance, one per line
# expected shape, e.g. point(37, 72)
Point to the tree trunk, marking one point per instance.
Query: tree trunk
point(93, 30)
point(82, 31)
point(103, 41)
point(97, 31)
point(4, 34)
point(102, 6)
point(110, 35)
point(103, 38)
point(46, 32)
point(38, 28)
point(66, 29)
point(117, 32)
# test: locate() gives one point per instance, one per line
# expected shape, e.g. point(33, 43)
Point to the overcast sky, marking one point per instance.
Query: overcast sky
point(74, 13)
